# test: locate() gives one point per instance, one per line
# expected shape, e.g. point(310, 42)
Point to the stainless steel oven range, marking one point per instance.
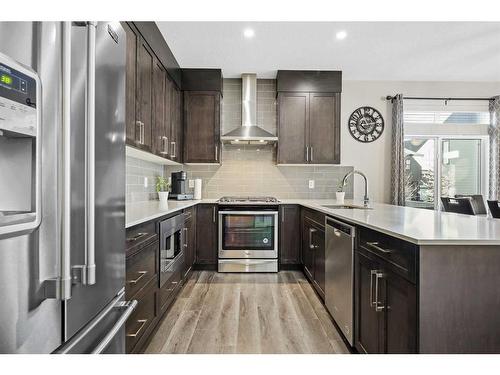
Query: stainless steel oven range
point(248, 235)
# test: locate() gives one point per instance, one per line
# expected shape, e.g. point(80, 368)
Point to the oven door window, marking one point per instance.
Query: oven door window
point(248, 232)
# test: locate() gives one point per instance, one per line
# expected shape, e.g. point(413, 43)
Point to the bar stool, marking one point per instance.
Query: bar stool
point(458, 205)
point(494, 209)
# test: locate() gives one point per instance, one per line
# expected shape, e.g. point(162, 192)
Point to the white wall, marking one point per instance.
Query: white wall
point(374, 158)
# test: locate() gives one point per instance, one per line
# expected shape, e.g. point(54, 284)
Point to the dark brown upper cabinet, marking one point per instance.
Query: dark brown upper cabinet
point(176, 125)
point(161, 125)
point(130, 84)
point(309, 117)
point(202, 100)
point(202, 126)
point(144, 95)
point(153, 99)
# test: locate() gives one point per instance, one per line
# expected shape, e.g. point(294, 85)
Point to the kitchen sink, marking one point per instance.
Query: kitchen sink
point(348, 206)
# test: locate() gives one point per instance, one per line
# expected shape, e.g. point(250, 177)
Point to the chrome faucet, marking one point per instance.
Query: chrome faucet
point(366, 200)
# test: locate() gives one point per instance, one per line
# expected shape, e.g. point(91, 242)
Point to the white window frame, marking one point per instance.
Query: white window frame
point(484, 161)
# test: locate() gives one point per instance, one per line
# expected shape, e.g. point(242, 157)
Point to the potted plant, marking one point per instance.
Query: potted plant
point(340, 194)
point(162, 187)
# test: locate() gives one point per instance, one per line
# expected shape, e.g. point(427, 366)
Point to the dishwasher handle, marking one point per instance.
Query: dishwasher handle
point(340, 226)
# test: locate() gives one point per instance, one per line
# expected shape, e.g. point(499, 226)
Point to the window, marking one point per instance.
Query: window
point(446, 151)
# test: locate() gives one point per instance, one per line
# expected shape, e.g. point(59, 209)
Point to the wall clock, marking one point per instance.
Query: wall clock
point(366, 124)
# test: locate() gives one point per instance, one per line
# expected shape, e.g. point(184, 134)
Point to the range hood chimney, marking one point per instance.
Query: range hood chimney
point(249, 132)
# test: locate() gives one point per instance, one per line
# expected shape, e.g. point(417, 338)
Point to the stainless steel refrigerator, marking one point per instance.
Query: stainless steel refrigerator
point(62, 187)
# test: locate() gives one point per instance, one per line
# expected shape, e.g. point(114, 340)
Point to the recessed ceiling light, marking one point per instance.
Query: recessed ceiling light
point(248, 33)
point(341, 35)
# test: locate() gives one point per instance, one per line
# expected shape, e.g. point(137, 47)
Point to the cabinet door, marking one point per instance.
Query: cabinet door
point(400, 310)
point(130, 85)
point(318, 242)
point(176, 125)
point(369, 322)
point(206, 233)
point(144, 108)
point(307, 250)
point(293, 122)
point(160, 136)
point(324, 128)
point(189, 243)
point(202, 127)
point(289, 249)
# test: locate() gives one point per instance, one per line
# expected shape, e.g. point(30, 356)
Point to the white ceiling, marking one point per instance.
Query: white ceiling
point(419, 51)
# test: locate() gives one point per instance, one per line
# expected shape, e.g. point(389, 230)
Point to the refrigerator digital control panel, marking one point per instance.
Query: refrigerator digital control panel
point(18, 99)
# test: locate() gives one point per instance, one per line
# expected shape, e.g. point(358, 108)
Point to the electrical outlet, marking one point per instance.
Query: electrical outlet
point(145, 182)
point(311, 184)
point(191, 184)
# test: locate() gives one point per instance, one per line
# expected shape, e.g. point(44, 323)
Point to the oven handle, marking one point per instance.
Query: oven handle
point(275, 213)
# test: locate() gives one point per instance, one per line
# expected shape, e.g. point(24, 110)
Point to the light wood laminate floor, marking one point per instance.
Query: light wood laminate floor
point(247, 313)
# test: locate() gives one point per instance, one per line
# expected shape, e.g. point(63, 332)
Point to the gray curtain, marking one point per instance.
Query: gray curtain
point(494, 133)
point(398, 156)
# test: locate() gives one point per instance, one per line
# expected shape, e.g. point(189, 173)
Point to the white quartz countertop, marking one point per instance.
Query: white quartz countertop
point(420, 226)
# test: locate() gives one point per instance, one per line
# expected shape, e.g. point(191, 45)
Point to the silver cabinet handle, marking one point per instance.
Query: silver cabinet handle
point(307, 153)
point(135, 281)
point(143, 140)
point(136, 333)
point(216, 153)
point(311, 245)
point(138, 125)
point(375, 246)
point(213, 217)
point(311, 153)
point(185, 237)
point(378, 275)
point(282, 214)
point(86, 273)
point(372, 273)
point(165, 145)
point(174, 150)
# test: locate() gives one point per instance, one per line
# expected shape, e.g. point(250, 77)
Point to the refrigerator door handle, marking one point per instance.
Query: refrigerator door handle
point(60, 287)
point(116, 303)
point(86, 273)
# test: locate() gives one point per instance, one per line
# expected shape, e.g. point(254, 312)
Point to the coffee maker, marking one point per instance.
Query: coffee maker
point(179, 189)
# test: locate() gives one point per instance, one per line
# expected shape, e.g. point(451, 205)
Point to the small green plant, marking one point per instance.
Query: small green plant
point(162, 184)
point(340, 186)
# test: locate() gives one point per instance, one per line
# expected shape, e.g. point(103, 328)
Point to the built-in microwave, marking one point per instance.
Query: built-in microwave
point(171, 246)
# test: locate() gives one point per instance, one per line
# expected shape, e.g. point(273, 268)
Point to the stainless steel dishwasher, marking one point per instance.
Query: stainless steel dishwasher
point(339, 267)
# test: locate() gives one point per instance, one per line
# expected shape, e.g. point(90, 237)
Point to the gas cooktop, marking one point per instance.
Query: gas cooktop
point(248, 200)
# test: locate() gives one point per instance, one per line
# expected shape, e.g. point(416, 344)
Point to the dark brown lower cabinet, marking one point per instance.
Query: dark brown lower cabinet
point(189, 240)
point(386, 308)
point(142, 320)
point(206, 233)
point(313, 248)
point(289, 235)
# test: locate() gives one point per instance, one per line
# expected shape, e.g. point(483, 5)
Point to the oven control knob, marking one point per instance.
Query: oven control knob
point(247, 252)
point(265, 240)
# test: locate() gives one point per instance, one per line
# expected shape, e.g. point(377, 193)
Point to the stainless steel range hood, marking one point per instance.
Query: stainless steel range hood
point(249, 132)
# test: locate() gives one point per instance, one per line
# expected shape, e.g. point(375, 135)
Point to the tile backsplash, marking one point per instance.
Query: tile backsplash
point(141, 180)
point(247, 170)
point(252, 170)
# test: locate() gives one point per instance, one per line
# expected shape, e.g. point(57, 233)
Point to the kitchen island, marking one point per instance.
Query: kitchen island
point(438, 274)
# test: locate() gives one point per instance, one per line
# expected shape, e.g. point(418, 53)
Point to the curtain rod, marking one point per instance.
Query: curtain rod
point(389, 97)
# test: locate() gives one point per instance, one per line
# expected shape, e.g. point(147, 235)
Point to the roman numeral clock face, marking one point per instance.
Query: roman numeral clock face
point(366, 124)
